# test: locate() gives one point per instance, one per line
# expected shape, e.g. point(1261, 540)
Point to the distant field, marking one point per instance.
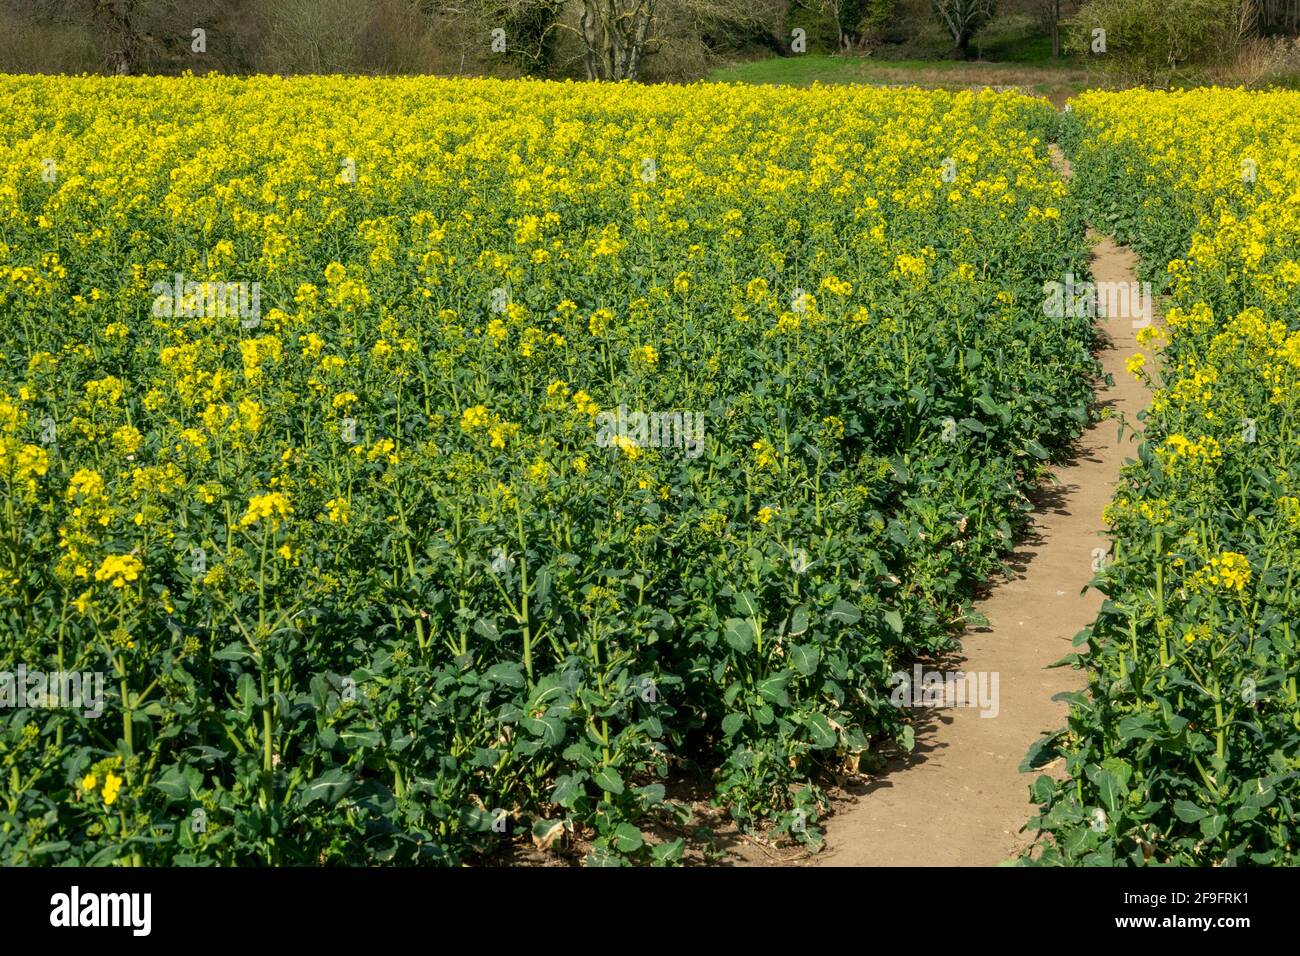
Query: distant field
point(1056, 80)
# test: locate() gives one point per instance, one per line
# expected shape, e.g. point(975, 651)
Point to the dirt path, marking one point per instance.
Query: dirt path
point(959, 799)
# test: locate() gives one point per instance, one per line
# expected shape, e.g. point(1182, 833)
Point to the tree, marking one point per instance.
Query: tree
point(120, 19)
point(856, 21)
point(963, 19)
point(530, 27)
point(1277, 16)
point(616, 36)
point(1159, 42)
point(874, 18)
point(1048, 15)
point(839, 11)
point(603, 39)
point(156, 36)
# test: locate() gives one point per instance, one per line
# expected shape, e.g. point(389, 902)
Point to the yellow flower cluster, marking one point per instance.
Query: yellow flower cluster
point(119, 569)
point(765, 455)
point(1227, 570)
point(1179, 447)
point(272, 508)
point(112, 786)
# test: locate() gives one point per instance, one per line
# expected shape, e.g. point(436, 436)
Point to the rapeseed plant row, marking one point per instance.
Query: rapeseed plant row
point(1186, 748)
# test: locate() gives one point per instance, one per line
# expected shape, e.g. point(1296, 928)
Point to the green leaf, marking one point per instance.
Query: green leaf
point(328, 788)
point(246, 688)
point(1137, 726)
point(541, 586)
point(1109, 787)
point(627, 838)
point(732, 723)
point(1042, 789)
point(746, 603)
point(1122, 771)
point(821, 734)
point(845, 613)
point(666, 854)
point(549, 728)
point(510, 675)
point(773, 688)
point(175, 783)
point(739, 633)
point(604, 856)
point(1076, 697)
point(800, 617)
point(1213, 825)
point(607, 779)
point(1256, 794)
point(361, 738)
point(1041, 752)
point(805, 658)
point(1189, 812)
point(568, 789)
point(894, 620)
point(650, 794)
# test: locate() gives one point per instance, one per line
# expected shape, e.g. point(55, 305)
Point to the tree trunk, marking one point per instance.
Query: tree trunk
point(615, 35)
point(588, 41)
